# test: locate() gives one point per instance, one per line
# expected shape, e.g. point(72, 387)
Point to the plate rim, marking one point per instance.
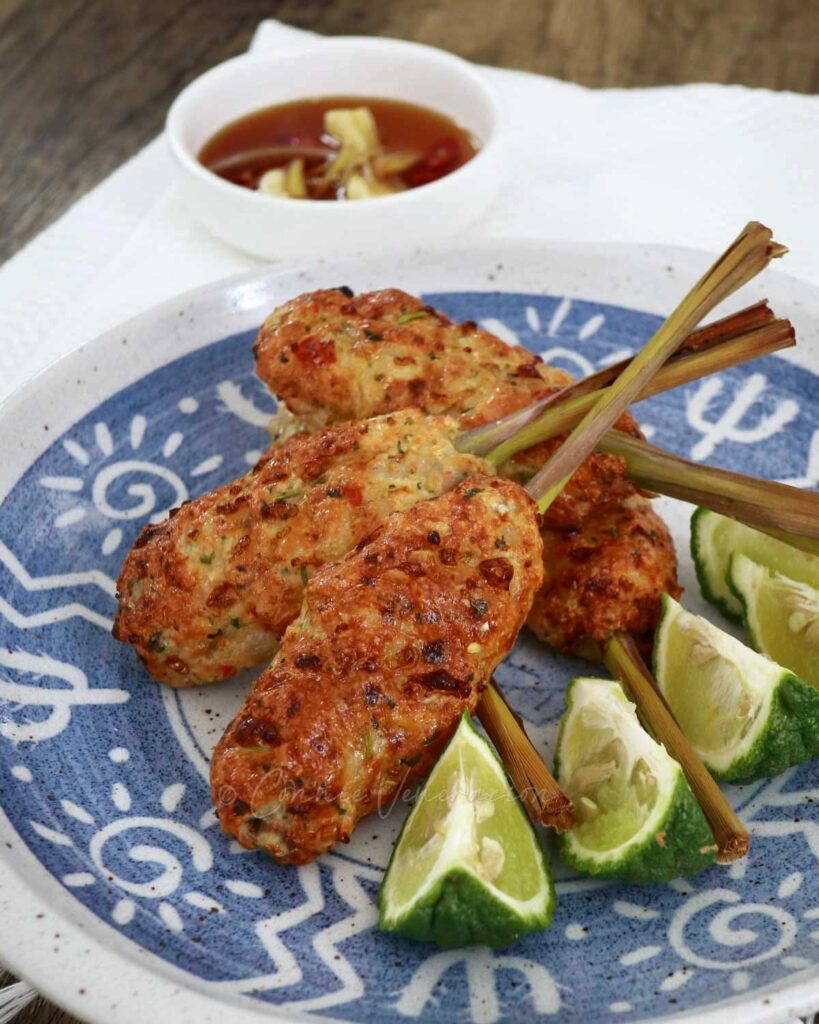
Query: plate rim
point(57, 976)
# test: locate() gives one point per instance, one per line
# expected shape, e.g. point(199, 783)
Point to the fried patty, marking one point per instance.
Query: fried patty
point(609, 557)
point(331, 357)
point(606, 577)
point(211, 590)
point(391, 646)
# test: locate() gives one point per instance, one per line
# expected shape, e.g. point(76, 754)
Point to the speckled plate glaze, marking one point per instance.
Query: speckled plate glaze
point(119, 896)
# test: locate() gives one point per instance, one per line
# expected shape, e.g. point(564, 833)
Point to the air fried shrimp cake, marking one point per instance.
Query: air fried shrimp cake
point(330, 357)
point(211, 590)
point(391, 646)
point(605, 577)
point(608, 555)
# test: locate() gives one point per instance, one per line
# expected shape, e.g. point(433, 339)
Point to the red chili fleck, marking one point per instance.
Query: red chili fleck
point(313, 351)
point(497, 572)
point(442, 158)
point(353, 494)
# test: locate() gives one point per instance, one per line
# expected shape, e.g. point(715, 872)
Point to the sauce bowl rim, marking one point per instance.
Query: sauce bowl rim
point(190, 162)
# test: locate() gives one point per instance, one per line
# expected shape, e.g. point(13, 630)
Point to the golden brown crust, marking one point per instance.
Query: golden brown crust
point(608, 576)
point(391, 646)
point(479, 377)
point(331, 357)
point(211, 590)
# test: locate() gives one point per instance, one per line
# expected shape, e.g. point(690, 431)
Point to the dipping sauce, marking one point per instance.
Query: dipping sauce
point(338, 147)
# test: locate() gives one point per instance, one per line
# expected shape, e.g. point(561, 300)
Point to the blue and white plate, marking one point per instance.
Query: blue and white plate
point(119, 896)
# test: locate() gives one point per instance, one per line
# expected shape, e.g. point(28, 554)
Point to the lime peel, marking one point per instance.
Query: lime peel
point(747, 717)
point(637, 817)
point(468, 868)
point(714, 538)
point(781, 615)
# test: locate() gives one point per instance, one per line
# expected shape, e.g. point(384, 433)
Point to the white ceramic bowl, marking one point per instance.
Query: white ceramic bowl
point(273, 227)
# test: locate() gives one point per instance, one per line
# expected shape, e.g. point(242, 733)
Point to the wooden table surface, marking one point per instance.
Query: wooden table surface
point(85, 83)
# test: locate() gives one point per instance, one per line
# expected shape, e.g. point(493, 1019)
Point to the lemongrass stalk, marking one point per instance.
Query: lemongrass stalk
point(482, 439)
point(736, 325)
point(763, 504)
point(750, 253)
point(623, 661)
point(544, 800)
point(557, 415)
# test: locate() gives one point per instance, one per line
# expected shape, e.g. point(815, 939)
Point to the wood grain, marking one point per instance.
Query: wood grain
point(84, 84)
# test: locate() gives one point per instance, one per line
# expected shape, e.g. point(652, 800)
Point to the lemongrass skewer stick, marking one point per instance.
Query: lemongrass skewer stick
point(557, 413)
point(786, 512)
point(482, 439)
point(743, 259)
point(623, 660)
point(735, 325)
point(544, 800)
point(750, 253)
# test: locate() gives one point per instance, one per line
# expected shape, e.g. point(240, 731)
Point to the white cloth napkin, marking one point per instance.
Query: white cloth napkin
point(685, 165)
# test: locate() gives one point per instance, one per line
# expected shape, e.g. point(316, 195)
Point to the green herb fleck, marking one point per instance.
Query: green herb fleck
point(416, 314)
point(304, 576)
point(206, 559)
point(236, 623)
point(373, 336)
point(500, 544)
point(155, 642)
point(472, 492)
point(367, 741)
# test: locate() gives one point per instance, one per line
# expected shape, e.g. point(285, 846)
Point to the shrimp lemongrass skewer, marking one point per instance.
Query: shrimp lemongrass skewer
point(308, 756)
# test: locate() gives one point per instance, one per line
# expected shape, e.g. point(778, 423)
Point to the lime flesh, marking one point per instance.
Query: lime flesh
point(781, 616)
point(636, 817)
point(468, 867)
point(745, 716)
point(714, 538)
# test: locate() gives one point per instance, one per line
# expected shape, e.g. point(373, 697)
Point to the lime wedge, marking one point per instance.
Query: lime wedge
point(468, 867)
point(781, 616)
point(714, 538)
point(747, 717)
point(637, 818)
